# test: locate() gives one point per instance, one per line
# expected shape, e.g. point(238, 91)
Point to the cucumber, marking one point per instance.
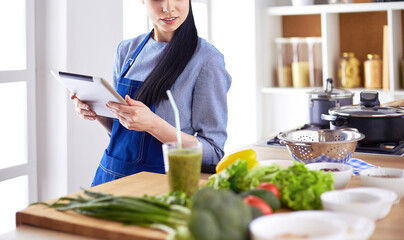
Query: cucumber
point(265, 195)
point(255, 212)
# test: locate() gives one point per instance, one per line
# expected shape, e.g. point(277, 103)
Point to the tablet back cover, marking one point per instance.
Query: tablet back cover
point(94, 91)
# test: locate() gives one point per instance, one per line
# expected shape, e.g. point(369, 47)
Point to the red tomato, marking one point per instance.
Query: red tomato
point(258, 203)
point(270, 187)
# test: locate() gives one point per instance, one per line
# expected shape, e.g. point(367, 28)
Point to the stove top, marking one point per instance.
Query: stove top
point(385, 148)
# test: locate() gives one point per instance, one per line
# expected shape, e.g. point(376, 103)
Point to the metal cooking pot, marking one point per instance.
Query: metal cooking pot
point(378, 124)
point(321, 100)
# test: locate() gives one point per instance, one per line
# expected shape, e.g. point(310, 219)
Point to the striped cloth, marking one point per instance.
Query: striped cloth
point(359, 165)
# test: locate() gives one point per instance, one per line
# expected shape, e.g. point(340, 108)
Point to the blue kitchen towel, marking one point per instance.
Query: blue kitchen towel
point(359, 165)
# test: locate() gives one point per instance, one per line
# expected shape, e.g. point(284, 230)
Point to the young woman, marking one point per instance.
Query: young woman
point(171, 57)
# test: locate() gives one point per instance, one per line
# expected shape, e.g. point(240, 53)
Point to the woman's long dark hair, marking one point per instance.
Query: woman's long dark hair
point(173, 61)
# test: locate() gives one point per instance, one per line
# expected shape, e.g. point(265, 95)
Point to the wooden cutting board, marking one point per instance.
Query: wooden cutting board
point(72, 222)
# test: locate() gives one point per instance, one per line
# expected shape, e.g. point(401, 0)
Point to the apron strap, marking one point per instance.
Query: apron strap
point(131, 60)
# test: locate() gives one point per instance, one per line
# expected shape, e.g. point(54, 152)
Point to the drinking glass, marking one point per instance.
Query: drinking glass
point(183, 166)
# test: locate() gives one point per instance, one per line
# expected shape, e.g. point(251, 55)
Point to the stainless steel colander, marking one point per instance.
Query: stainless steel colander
point(321, 145)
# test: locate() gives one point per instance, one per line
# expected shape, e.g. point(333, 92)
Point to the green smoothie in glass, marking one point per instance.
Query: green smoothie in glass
point(183, 166)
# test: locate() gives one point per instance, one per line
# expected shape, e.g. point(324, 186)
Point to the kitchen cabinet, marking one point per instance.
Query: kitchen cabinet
point(356, 27)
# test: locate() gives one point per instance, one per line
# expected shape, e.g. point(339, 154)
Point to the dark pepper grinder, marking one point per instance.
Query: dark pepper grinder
point(369, 99)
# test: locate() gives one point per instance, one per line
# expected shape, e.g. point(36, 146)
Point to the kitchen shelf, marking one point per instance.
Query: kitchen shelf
point(354, 27)
point(334, 8)
point(366, 18)
point(308, 89)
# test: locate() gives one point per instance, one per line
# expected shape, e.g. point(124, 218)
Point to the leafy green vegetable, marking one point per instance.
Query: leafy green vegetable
point(230, 177)
point(219, 215)
point(259, 174)
point(238, 178)
point(301, 188)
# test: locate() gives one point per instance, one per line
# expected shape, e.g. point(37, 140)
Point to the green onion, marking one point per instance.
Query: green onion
point(142, 211)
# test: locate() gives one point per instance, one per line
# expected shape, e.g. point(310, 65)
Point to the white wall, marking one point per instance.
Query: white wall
point(233, 34)
point(94, 29)
point(79, 36)
point(51, 102)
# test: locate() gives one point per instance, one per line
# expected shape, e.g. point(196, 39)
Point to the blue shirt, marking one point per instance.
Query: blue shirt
point(200, 92)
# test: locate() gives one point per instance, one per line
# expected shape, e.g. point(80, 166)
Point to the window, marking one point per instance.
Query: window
point(13, 124)
point(12, 41)
point(17, 102)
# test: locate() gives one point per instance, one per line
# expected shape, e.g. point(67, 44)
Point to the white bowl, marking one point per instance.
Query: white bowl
point(378, 177)
point(357, 227)
point(289, 226)
point(388, 197)
point(341, 177)
point(359, 203)
point(284, 163)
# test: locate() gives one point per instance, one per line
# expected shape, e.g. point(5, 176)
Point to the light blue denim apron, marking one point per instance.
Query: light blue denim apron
point(129, 151)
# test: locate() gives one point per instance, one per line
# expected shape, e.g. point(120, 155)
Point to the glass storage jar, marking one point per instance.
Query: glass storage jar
point(373, 71)
point(300, 63)
point(284, 59)
point(348, 71)
point(315, 61)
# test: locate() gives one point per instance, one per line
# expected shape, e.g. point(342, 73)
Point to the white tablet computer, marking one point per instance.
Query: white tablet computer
point(94, 91)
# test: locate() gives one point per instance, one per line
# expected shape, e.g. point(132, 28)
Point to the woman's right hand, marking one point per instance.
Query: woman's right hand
point(82, 109)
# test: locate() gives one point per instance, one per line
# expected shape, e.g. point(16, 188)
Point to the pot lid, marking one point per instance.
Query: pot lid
point(330, 92)
point(362, 111)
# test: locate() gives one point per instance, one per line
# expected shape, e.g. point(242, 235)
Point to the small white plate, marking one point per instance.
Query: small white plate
point(284, 163)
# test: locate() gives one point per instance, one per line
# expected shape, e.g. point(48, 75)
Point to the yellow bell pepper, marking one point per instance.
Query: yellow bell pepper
point(248, 155)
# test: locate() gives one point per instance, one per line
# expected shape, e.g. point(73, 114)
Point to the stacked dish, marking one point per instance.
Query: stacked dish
point(373, 203)
point(311, 225)
point(387, 178)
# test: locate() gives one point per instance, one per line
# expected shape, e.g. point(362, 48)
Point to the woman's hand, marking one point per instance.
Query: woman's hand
point(134, 116)
point(137, 116)
point(82, 109)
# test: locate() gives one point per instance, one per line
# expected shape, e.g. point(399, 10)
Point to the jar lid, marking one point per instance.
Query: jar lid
point(373, 56)
point(362, 111)
point(330, 92)
point(348, 54)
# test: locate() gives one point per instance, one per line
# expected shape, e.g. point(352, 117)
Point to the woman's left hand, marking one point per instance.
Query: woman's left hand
point(134, 116)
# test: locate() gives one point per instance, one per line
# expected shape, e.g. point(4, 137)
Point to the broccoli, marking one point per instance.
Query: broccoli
point(219, 215)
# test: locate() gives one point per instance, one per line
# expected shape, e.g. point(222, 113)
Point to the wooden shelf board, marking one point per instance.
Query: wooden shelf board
point(334, 8)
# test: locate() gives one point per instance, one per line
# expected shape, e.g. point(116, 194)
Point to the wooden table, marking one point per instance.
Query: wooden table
point(389, 228)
